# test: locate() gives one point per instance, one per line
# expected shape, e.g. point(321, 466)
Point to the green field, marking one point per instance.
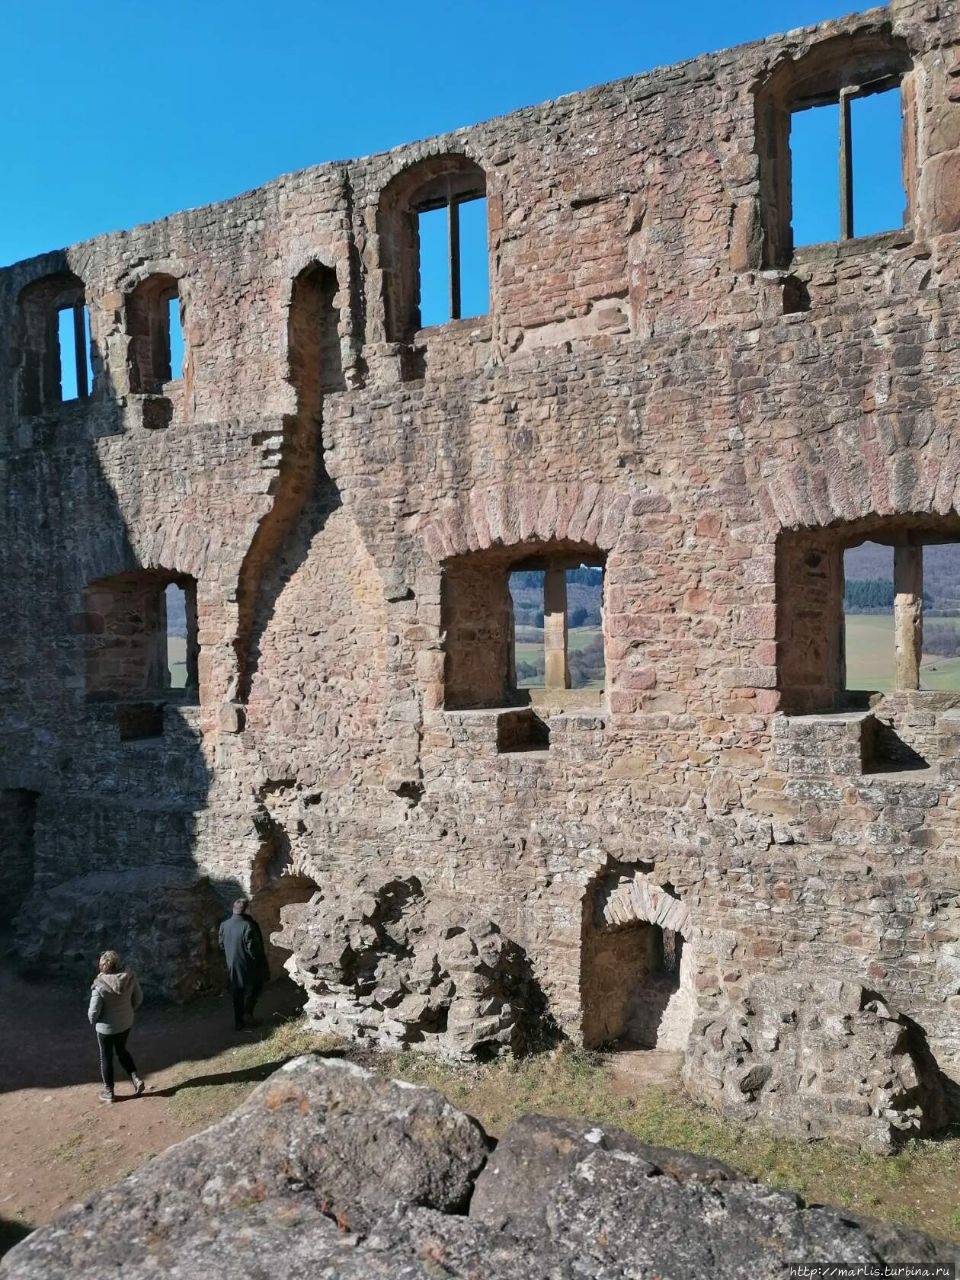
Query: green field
point(870, 653)
point(870, 656)
point(529, 648)
point(177, 659)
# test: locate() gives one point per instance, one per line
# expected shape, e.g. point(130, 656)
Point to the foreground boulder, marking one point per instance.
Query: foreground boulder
point(817, 1058)
point(327, 1170)
point(383, 963)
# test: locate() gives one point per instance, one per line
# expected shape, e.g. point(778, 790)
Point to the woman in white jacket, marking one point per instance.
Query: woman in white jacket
point(114, 998)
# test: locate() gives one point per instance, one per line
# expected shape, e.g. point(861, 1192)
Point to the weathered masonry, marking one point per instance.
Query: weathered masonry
point(258, 629)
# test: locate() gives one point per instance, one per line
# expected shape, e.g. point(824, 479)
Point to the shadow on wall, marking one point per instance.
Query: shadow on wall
point(104, 794)
point(306, 496)
point(103, 771)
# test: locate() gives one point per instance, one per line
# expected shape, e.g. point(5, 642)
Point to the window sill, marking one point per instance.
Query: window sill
point(55, 412)
point(520, 730)
point(838, 250)
point(483, 322)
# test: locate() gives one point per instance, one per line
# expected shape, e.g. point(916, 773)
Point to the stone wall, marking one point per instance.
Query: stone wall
point(656, 386)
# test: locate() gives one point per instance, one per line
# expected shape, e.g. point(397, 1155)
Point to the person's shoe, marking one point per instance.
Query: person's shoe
point(138, 1085)
point(105, 1095)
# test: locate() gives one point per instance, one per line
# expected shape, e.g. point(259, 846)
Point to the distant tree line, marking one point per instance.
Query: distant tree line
point(867, 594)
point(872, 595)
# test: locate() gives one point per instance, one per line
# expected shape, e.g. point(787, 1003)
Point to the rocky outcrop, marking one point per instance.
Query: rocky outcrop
point(817, 1057)
point(383, 963)
point(162, 920)
point(327, 1170)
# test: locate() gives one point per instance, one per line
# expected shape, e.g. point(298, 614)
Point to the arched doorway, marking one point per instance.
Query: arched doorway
point(636, 964)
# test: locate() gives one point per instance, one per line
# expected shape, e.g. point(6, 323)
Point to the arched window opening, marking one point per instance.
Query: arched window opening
point(56, 362)
point(435, 245)
point(156, 352)
point(835, 133)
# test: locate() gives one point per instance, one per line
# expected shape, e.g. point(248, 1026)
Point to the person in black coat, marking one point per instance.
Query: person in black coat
point(242, 944)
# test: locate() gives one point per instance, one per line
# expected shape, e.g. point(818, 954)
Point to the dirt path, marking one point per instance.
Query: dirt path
point(59, 1142)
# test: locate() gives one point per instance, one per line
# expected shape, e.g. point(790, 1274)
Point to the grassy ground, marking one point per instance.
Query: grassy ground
point(920, 1186)
point(177, 657)
point(870, 655)
point(530, 649)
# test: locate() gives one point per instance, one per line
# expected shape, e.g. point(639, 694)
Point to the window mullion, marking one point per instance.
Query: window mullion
point(453, 222)
point(846, 166)
point(80, 351)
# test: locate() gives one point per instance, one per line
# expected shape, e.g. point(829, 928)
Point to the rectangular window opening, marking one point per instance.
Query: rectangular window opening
point(846, 166)
point(73, 343)
point(175, 339)
point(526, 592)
point(433, 228)
point(175, 601)
point(454, 261)
point(940, 657)
point(474, 258)
point(815, 174)
point(868, 618)
point(585, 627)
point(876, 129)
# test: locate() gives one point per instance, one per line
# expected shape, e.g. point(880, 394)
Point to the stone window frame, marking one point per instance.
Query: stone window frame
point(40, 381)
point(556, 640)
point(839, 70)
point(147, 322)
point(811, 615)
point(487, 680)
point(131, 590)
point(435, 182)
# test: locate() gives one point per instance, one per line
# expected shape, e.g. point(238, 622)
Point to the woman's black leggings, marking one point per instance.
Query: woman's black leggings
point(108, 1046)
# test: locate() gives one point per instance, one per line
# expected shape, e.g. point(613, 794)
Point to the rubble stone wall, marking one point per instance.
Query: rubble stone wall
point(651, 387)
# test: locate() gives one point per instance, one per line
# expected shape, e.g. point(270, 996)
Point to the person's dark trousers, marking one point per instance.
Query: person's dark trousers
point(110, 1045)
point(244, 999)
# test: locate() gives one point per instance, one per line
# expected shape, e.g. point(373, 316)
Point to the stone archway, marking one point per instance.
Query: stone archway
point(636, 966)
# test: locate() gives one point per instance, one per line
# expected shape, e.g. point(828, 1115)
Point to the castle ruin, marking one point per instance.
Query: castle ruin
point(663, 388)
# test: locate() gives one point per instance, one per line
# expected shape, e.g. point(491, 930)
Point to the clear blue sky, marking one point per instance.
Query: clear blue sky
point(119, 111)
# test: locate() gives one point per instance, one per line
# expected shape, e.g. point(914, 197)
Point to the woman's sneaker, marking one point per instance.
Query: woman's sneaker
point(105, 1095)
point(138, 1085)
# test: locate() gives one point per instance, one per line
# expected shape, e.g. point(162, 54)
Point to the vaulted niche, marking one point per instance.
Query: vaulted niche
point(313, 334)
point(636, 964)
